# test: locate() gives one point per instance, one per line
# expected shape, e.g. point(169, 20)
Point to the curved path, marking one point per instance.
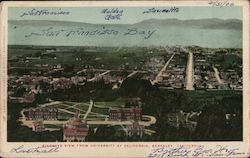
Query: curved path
point(94, 122)
point(29, 123)
point(91, 103)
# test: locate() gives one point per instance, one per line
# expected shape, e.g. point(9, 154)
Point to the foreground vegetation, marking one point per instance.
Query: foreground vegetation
point(156, 101)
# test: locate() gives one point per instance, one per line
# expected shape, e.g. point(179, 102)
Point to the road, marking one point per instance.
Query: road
point(148, 123)
point(189, 80)
point(91, 103)
point(98, 76)
point(51, 103)
point(114, 70)
point(132, 74)
point(67, 111)
point(117, 50)
point(94, 122)
point(217, 75)
point(163, 69)
point(149, 132)
point(184, 49)
point(22, 113)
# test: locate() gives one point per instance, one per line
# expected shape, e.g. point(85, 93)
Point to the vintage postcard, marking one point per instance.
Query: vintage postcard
point(125, 79)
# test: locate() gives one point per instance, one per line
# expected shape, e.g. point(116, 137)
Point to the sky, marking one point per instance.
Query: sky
point(130, 15)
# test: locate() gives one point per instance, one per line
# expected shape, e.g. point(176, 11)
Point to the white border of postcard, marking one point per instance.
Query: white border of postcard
point(118, 149)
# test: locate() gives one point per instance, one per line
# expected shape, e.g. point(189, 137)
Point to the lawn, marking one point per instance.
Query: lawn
point(52, 126)
point(98, 111)
point(62, 106)
point(64, 115)
point(116, 103)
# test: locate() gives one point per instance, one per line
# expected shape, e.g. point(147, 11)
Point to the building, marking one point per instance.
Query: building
point(16, 99)
point(75, 129)
point(41, 114)
point(135, 129)
point(124, 114)
point(38, 126)
point(28, 98)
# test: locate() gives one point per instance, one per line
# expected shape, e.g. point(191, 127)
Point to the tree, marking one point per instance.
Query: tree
point(133, 87)
point(212, 124)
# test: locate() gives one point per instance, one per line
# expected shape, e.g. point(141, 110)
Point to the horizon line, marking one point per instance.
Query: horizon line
point(128, 23)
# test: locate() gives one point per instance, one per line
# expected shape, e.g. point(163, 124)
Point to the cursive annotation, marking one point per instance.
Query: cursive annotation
point(83, 32)
point(200, 151)
point(221, 3)
point(112, 14)
point(44, 12)
point(165, 10)
point(37, 150)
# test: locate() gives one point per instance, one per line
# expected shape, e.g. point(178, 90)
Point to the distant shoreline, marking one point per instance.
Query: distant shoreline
point(56, 46)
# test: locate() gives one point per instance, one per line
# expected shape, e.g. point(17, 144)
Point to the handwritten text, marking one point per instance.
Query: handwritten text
point(221, 3)
point(103, 31)
point(44, 12)
point(112, 14)
point(165, 10)
point(37, 150)
point(200, 151)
